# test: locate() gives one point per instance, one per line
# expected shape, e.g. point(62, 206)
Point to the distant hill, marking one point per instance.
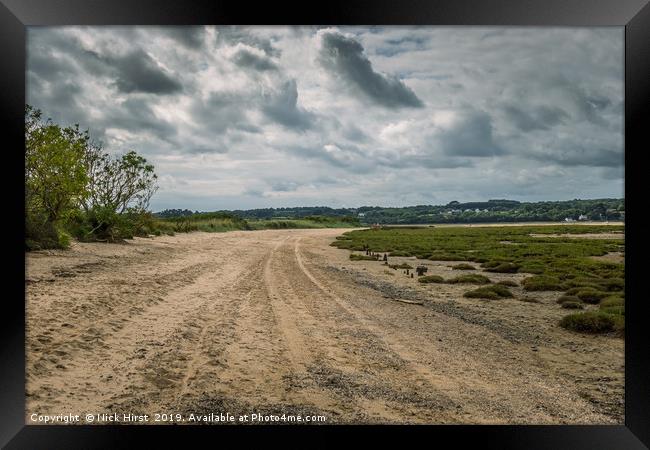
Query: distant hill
point(453, 212)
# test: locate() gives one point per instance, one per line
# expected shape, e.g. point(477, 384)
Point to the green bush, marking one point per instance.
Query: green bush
point(431, 279)
point(616, 310)
point(542, 283)
point(463, 266)
point(473, 278)
point(568, 298)
point(612, 300)
point(491, 292)
point(400, 266)
point(41, 234)
point(591, 296)
point(612, 284)
point(589, 322)
point(509, 283)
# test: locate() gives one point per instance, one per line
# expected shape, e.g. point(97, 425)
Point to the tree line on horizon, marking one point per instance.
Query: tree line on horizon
point(453, 212)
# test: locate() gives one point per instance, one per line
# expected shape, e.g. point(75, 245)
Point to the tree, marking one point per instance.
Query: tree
point(55, 175)
point(118, 183)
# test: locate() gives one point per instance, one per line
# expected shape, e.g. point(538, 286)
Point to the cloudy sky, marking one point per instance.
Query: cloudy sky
point(237, 118)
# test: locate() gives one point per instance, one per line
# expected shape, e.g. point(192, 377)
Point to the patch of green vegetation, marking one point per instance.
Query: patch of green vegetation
point(400, 266)
point(616, 310)
point(509, 283)
point(431, 279)
point(303, 223)
point(590, 322)
point(491, 292)
point(556, 262)
point(568, 298)
point(542, 283)
point(592, 296)
point(463, 266)
point(612, 300)
point(473, 278)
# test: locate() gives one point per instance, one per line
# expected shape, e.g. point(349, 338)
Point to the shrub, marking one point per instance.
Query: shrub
point(431, 279)
point(572, 305)
point(612, 284)
point(509, 283)
point(41, 234)
point(616, 310)
point(592, 296)
point(589, 322)
point(568, 298)
point(504, 267)
point(612, 300)
point(463, 266)
point(473, 278)
point(542, 283)
point(491, 292)
point(400, 266)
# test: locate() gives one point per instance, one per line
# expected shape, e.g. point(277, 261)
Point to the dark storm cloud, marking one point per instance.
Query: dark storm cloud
point(587, 156)
point(138, 72)
point(135, 114)
point(222, 111)
point(345, 58)
point(282, 107)
point(471, 136)
point(247, 59)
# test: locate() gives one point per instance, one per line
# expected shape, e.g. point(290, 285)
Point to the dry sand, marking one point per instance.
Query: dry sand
point(278, 321)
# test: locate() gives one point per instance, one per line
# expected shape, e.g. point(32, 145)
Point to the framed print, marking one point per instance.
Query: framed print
point(391, 219)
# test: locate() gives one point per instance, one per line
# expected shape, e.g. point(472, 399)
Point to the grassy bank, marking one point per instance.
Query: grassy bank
point(555, 256)
point(221, 222)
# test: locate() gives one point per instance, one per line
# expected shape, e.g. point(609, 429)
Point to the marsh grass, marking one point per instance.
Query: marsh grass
point(473, 278)
point(568, 298)
point(542, 283)
point(431, 279)
point(491, 292)
point(556, 263)
point(591, 322)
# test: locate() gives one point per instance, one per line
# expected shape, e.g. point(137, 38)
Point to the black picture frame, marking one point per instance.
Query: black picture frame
point(634, 15)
